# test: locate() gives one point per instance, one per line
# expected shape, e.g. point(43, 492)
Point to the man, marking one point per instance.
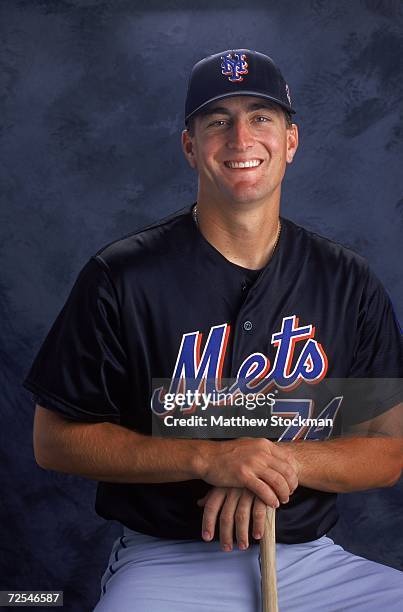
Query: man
point(226, 290)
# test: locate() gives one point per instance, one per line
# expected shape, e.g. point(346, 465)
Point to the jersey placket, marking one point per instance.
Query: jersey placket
point(248, 333)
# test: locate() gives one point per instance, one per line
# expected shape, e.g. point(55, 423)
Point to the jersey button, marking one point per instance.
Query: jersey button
point(247, 325)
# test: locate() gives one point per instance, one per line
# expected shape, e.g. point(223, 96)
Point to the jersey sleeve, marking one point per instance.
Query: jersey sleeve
point(80, 370)
point(376, 376)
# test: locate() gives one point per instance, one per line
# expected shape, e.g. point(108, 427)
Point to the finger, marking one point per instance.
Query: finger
point(259, 516)
point(287, 471)
point(212, 506)
point(277, 483)
point(260, 488)
point(227, 518)
point(242, 518)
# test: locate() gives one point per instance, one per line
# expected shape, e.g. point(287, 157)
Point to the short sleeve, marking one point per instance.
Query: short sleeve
point(378, 347)
point(80, 370)
point(376, 375)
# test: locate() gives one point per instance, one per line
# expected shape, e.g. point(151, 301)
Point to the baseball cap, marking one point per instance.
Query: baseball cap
point(239, 72)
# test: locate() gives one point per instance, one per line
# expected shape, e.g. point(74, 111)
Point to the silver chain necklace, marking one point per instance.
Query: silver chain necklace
point(194, 214)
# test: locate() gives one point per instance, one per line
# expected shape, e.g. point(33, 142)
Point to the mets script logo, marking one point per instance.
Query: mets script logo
point(234, 66)
point(202, 371)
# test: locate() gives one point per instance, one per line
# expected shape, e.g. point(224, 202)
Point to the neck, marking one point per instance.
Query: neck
point(245, 237)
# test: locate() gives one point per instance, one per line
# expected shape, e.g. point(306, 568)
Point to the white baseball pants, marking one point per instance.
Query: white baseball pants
point(147, 574)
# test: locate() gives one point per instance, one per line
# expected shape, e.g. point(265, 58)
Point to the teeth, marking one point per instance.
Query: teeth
point(253, 163)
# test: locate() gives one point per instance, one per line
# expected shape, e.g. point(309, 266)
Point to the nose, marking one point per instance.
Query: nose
point(240, 137)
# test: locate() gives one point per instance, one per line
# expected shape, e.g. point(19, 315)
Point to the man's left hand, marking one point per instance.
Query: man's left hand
point(235, 507)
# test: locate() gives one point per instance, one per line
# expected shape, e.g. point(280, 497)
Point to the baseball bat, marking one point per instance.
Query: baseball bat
point(268, 562)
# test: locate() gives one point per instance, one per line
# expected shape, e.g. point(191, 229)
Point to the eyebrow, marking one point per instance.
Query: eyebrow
point(222, 110)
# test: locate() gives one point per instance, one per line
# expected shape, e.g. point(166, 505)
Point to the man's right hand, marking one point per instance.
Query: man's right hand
point(266, 469)
point(109, 452)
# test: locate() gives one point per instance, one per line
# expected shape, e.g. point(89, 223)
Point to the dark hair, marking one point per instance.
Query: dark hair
point(288, 118)
point(190, 123)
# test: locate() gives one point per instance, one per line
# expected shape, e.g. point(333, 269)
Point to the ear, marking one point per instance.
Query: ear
point(292, 142)
point(188, 148)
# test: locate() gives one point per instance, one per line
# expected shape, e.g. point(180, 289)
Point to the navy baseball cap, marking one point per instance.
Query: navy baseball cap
point(238, 72)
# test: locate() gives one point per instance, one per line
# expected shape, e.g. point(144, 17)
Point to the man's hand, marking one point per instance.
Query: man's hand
point(266, 469)
point(235, 507)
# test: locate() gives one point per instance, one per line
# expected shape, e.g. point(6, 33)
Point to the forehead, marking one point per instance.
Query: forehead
point(239, 103)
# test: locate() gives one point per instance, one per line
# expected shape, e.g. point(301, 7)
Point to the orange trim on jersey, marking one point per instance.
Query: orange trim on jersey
point(222, 356)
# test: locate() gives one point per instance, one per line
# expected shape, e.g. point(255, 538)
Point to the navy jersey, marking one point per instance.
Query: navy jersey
point(314, 312)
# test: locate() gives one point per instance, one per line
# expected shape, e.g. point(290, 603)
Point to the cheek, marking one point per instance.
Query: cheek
point(277, 145)
point(204, 158)
point(280, 152)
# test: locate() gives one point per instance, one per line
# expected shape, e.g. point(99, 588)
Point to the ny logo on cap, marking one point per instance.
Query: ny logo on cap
point(233, 66)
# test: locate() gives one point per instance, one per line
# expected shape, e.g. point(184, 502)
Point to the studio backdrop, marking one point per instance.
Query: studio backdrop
point(92, 97)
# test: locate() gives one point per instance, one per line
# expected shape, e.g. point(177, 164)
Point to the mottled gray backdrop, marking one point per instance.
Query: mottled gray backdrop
point(91, 109)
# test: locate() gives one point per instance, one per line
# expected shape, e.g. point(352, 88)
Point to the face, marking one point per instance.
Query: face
point(240, 148)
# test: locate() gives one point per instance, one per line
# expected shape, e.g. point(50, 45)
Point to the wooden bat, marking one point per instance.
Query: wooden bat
point(268, 562)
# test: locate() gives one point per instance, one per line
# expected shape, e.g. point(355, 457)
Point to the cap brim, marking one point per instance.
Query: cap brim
point(241, 93)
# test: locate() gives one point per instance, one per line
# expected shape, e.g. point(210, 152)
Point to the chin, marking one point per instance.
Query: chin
point(244, 191)
point(247, 196)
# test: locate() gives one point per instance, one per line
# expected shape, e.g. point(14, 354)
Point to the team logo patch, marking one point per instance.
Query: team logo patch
point(234, 65)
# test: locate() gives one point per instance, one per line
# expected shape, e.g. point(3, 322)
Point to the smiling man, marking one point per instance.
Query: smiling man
point(240, 147)
point(223, 295)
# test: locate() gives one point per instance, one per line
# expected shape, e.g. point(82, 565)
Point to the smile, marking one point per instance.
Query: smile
point(251, 163)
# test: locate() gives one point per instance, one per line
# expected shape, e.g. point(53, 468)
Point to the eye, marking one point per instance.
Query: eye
point(217, 123)
point(262, 119)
